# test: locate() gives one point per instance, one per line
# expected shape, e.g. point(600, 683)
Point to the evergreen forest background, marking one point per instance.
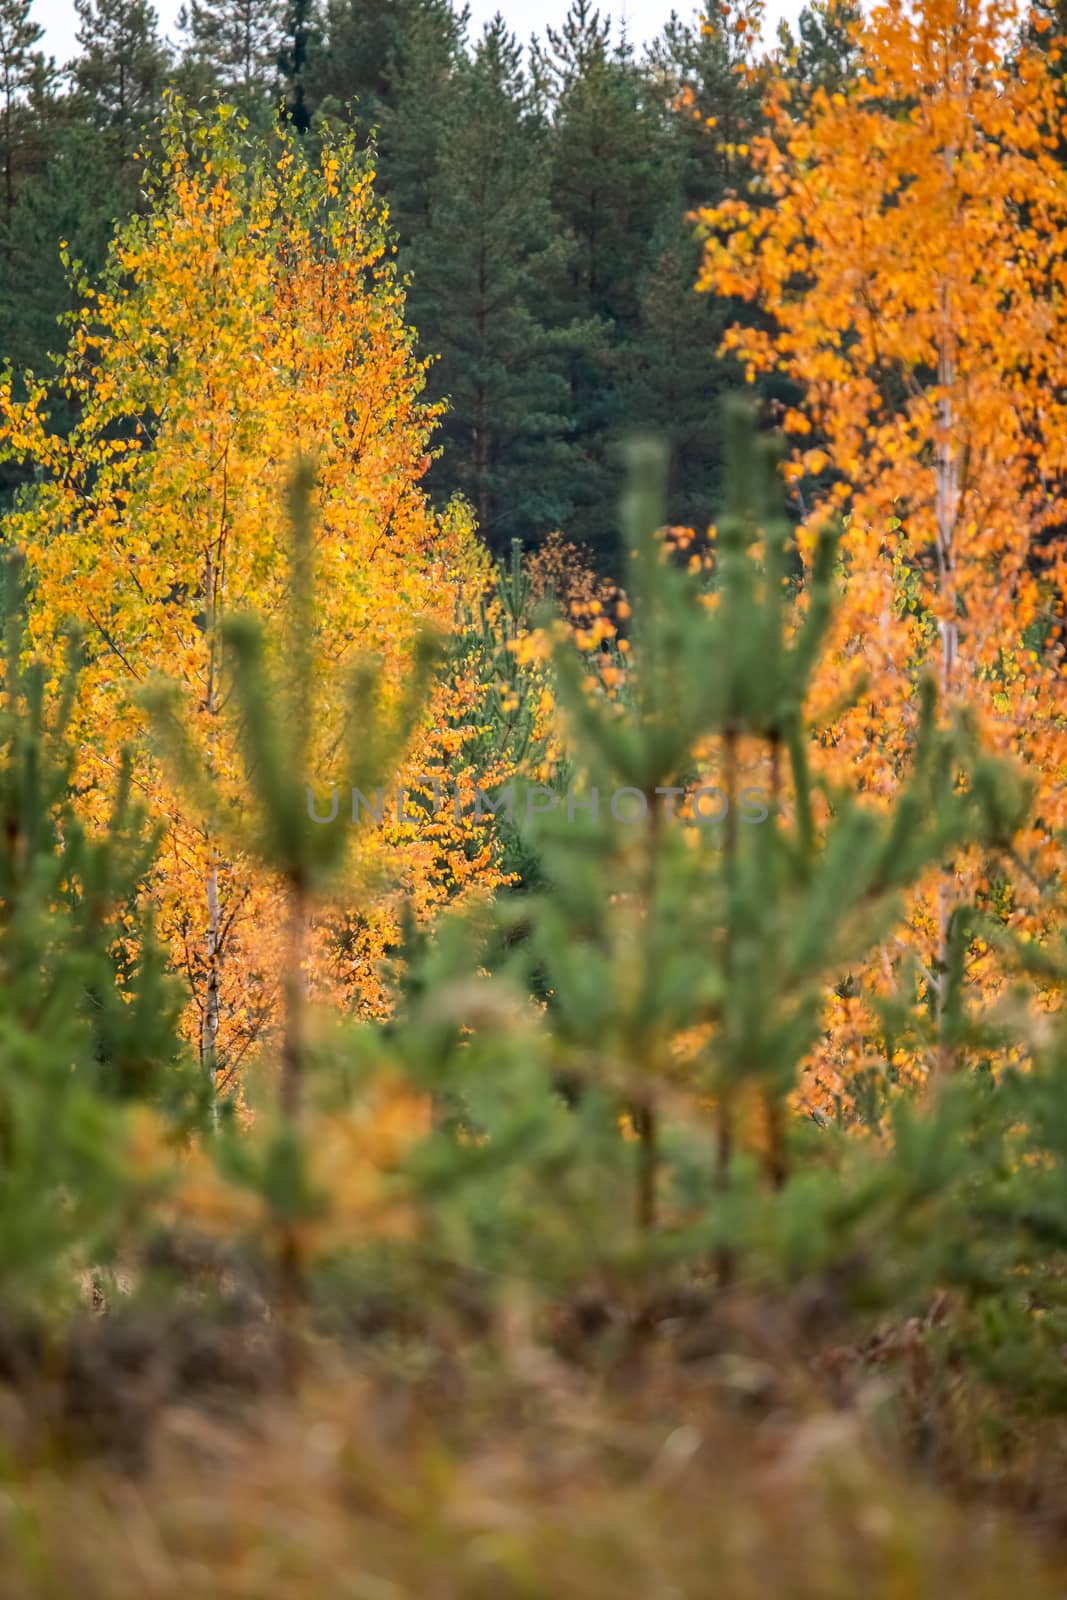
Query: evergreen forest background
point(539, 200)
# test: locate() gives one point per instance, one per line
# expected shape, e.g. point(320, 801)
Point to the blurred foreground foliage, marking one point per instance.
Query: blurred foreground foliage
point(547, 1284)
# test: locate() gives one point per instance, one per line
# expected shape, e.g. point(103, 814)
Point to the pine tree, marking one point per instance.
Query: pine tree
point(120, 72)
point(823, 54)
point(691, 924)
point(369, 49)
point(672, 380)
point(275, 708)
point(415, 114)
point(69, 207)
point(19, 63)
point(705, 74)
point(480, 272)
point(30, 122)
point(89, 1018)
point(606, 189)
point(300, 32)
point(606, 182)
point(236, 42)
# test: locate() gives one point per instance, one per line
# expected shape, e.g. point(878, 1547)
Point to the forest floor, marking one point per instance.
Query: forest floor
point(705, 1447)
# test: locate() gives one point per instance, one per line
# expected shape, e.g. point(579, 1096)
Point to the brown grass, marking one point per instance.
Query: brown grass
point(489, 1474)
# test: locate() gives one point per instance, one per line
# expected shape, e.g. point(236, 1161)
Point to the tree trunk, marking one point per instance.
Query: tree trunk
point(947, 504)
point(209, 1029)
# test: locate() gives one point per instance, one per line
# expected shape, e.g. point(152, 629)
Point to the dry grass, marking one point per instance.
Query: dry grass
point(505, 1475)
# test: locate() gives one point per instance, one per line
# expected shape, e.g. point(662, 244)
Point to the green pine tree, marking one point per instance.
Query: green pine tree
point(673, 383)
point(88, 1016)
point(415, 114)
point(233, 45)
point(274, 719)
point(607, 191)
point(32, 116)
point(697, 70)
point(481, 266)
point(372, 51)
point(300, 31)
point(20, 65)
point(821, 53)
point(736, 923)
point(674, 379)
point(120, 72)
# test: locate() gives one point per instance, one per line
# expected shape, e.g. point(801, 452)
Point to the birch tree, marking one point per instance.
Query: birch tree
point(908, 246)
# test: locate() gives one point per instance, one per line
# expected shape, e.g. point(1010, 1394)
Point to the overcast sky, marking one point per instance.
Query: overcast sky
point(643, 17)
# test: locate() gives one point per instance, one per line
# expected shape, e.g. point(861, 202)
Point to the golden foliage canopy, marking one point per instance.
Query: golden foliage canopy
point(253, 313)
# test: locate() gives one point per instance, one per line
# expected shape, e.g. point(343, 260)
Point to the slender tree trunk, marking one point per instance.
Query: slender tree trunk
point(290, 1256)
point(294, 1041)
point(482, 442)
point(724, 1114)
point(776, 1159)
point(947, 505)
point(724, 1154)
point(644, 1120)
point(9, 174)
point(209, 1032)
point(209, 1028)
point(643, 1111)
